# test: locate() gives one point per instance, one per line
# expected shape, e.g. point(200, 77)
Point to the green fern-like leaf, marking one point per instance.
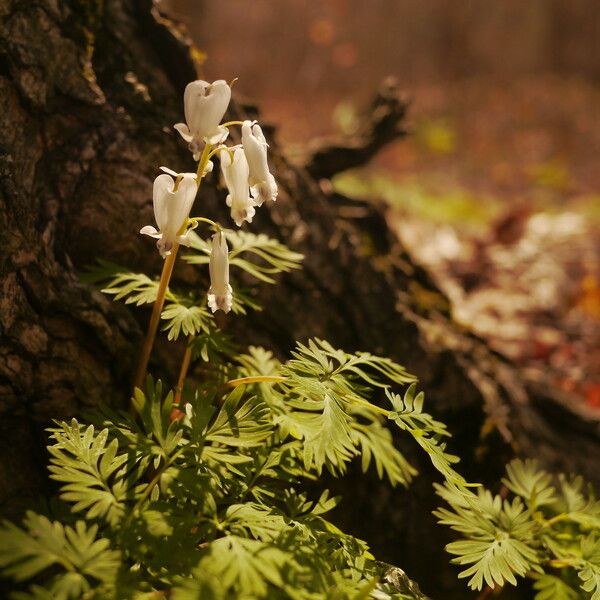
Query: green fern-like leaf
point(499, 536)
point(318, 366)
point(160, 436)
point(578, 504)
point(80, 558)
point(550, 587)
point(94, 477)
point(185, 319)
point(588, 568)
point(528, 481)
point(123, 284)
point(210, 346)
point(182, 315)
point(244, 566)
point(240, 425)
point(256, 254)
point(427, 432)
point(375, 444)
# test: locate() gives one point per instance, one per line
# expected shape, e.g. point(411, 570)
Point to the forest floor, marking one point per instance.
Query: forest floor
point(497, 192)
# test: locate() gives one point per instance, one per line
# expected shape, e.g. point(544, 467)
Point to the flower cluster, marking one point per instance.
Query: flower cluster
point(245, 172)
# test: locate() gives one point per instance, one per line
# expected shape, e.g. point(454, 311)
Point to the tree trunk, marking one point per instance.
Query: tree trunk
point(90, 91)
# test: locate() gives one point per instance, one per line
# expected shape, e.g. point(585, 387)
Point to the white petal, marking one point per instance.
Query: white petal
point(163, 186)
point(151, 231)
point(222, 302)
point(205, 104)
point(185, 239)
point(184, 131)
point(208, 168)
point(181, 204)
point(217, 136)
point(176, 174)
point(255, 149)
point(258, 133)
point(239, 172)
point(192, 98)
point(242, 213)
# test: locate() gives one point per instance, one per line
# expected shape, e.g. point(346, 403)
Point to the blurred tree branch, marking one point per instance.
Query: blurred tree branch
point(380, 124)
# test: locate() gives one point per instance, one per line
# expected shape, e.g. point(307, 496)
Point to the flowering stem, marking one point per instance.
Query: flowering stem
point(203, 162)
point(165, 277)
point(185, 365)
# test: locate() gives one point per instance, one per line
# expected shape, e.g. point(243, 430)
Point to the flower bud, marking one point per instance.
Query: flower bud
point(262, 183)
point(220, 294)
point(235, 172)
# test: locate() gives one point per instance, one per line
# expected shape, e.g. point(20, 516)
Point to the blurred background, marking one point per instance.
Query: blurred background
point(497, 188)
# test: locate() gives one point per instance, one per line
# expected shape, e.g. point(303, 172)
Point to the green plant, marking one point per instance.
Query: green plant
point(199, 492)
point(212, 505)
point(542, 528)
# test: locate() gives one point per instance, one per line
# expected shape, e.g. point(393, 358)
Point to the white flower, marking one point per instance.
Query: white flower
point(171, 210)
point(236, 173)
point(220, 294)
point(262, 183)
point(204, 105)
point(207, 169)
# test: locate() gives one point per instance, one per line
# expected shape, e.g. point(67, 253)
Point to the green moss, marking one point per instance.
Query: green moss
point(453, 205)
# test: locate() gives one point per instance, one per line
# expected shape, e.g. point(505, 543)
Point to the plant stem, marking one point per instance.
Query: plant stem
point(258, 379)
point(555, 519)
point(185, 365)
point(155, 481)
point(165, 276)
point(373, 407)
point(487, 590)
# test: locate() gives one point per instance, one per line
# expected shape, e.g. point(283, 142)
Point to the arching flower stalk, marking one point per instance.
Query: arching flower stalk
point(249, 183)
point(167, 270)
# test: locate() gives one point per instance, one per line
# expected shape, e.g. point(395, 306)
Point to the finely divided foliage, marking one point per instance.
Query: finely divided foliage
point(199, 493)
point(210, 505)
point(548, 532)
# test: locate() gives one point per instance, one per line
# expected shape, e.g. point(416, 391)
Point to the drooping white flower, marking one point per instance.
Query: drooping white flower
point(171, 209)
point(262, 183)
point(236, 174)
point(204, 105)
point(220, 294)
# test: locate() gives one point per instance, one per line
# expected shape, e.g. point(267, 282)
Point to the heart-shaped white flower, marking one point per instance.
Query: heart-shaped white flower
point(204, 106)
point(172, 205)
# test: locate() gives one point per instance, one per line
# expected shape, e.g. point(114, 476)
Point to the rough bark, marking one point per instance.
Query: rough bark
point(89, 92)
